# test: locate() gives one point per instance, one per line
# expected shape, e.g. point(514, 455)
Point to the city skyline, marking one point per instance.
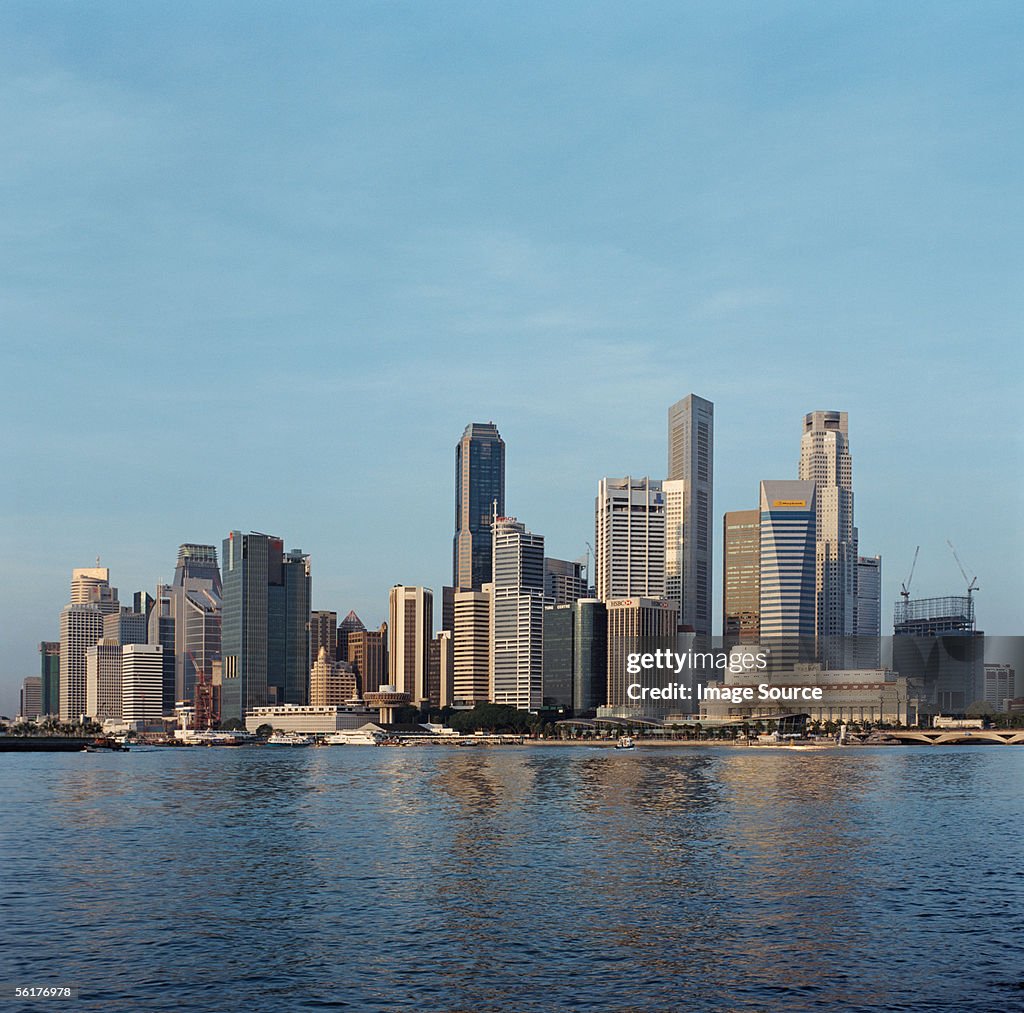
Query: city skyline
point(784, 211)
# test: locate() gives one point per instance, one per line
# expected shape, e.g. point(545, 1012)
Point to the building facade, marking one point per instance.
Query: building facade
point(103, 680)
point(49, 673)
point(576, 656)
point(331, 683)
point(691, 442)
point(517, 642)
point(479, 496)
point(629, 538)
point(564, 581)
point(368, 655)
point(637, 625)
point(867, 617)
point(741, 578)
point(825, 460)
point(471, 647)
point(411, 626)
point(142, 682)
point(788, 588)
point(81, 626)
point(31, 705)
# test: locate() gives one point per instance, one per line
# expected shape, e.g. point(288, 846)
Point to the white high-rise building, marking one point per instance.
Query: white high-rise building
point(81, 626)
point(410, 629)
point(90, 585)
point(103, 679)
point(517, 615)
point(787, 569)
point(142, 667)
point(675, 540)
point(471, 647)
point(691, 457)
point(629, 538)
point(825, 461)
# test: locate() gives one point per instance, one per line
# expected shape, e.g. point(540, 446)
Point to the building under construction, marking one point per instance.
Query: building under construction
point(937, 646)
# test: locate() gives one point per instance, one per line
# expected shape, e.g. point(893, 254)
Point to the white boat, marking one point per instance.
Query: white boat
point(289, 739)
point(355, 737)
point(625, 742)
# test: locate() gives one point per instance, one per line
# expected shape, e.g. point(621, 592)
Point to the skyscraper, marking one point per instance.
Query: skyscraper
point(787, 570)
point(265, 624)
point(517, 635)
point(331, 683)
point(163, 631)
point(125, 627)
point(576, 655)
point(31, 698)
point(142, 682)
point(368, 654)
point(350, 624)
point(323, 632)
point(81, 626)
point(471, 647)
point(867, 619)
point(49, 672)
point(411, 625)
point(630, 538)
point(825, 461)
point(691, 443)
point(741, 578)
point(564, 582)
point(638, 625)
point(441, 671)
point(479, 494)
point(195, 596)
point(103, 680)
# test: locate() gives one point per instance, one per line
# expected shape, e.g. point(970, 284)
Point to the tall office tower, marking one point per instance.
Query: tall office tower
point(937, 644)
point(638, 625)
point(143, 601)
point(630, 538)
point(867, 615)
point(163, 631)
point(411, 624)
point(691, 459)
point(90, 585)
point(49, 672)
point(787, 570)
point(741, 578)
point(479, 495)
point(196, 594)
point(1000, 685)
point(517, 641)
point(264, 624)
point(471, 647)
point(448, 608)
point(103, 680)
point(298, 589)
point(440, 671)
point(564, 582)
point(350, 624)
point(142, 682)
point(81, 625)
point(675, 540)
point(825, 461)
point(576, 655)
point(368, 653)
point(331, 683)
point(323, 632)
point(125, 627)
point(31, 698)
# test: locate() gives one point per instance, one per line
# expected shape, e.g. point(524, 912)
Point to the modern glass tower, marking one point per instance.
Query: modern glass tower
point(787, 596)
point(265, 624)
point(691, 446)
point(479, 494)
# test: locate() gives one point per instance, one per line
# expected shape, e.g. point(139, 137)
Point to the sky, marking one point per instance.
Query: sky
point(262, 263)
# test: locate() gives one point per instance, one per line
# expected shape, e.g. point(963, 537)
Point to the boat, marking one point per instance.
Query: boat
point(289, 739)
point(625, 742)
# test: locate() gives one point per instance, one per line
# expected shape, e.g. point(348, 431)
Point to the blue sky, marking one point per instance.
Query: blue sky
point(262, 263)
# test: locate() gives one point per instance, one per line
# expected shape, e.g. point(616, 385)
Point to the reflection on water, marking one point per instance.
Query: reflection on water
point(518, 878)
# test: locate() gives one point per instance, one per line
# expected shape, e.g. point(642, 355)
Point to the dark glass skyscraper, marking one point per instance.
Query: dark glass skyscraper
point(265, 624)
point(479, 485)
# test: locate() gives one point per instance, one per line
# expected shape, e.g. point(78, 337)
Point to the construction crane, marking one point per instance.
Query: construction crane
point(905, 588)
point(971, 582)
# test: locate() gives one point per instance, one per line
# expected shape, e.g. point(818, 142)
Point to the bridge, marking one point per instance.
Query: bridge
point(960, 736)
